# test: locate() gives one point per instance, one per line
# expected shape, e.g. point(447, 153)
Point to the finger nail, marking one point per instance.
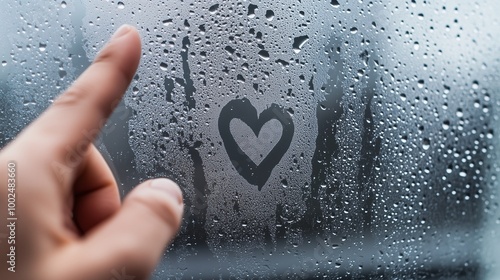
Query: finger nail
point(168, 186)
point(124, 29)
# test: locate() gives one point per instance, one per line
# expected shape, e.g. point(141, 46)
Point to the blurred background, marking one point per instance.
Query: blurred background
point(363, 145)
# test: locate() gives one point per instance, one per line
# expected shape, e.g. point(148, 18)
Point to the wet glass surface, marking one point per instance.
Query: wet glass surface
point(337, 139)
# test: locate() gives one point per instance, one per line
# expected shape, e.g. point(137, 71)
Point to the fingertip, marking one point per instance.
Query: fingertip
point(123, 50)
point(125, 31)
point(129, 36)
point(121, 31)
point(162, 197)
point(168, 186)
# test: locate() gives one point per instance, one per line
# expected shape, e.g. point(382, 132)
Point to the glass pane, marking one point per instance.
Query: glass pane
point(310, 138)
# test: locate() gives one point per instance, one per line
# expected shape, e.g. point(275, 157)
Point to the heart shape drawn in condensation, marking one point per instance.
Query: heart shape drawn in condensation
point(242, 109)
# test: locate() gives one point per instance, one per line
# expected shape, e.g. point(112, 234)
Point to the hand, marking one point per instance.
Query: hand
point(70, 224)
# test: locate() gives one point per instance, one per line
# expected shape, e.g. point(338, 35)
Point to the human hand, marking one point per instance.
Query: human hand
point(70, 224)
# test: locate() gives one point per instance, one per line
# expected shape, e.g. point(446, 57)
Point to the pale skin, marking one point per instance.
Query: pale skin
point(71, 223)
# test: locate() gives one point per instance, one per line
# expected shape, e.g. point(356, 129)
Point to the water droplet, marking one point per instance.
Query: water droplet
point(264, 54)
point(446, 124)
point(489, 134)
point(449, 170)
point(335, 3)
point(284, 183)
point(230, 50)
point(163, 66)
point(63, 4)
point(121, 5)
point(167, 22)
point(4, 63)
point(416, 46)
point(426, 143)
point(420, 83)
point(62, 74)
point(298, 43)
point(269, 15)
point(213, 8)
point(354, 30)
point(42, 47)
point(251, 10)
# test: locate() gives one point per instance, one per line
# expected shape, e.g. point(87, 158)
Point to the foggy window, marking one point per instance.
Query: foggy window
point(336, 139)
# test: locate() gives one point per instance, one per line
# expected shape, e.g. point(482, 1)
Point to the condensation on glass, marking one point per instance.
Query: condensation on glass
point(311, 138)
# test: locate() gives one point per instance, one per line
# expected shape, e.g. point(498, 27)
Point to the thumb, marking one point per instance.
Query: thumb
point(133, 240)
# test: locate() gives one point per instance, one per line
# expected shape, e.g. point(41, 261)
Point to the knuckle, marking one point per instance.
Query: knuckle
point(71, 97)
point(107, 52)
point(79, 96)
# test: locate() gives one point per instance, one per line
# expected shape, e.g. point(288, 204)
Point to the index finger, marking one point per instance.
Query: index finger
point(76, 117)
